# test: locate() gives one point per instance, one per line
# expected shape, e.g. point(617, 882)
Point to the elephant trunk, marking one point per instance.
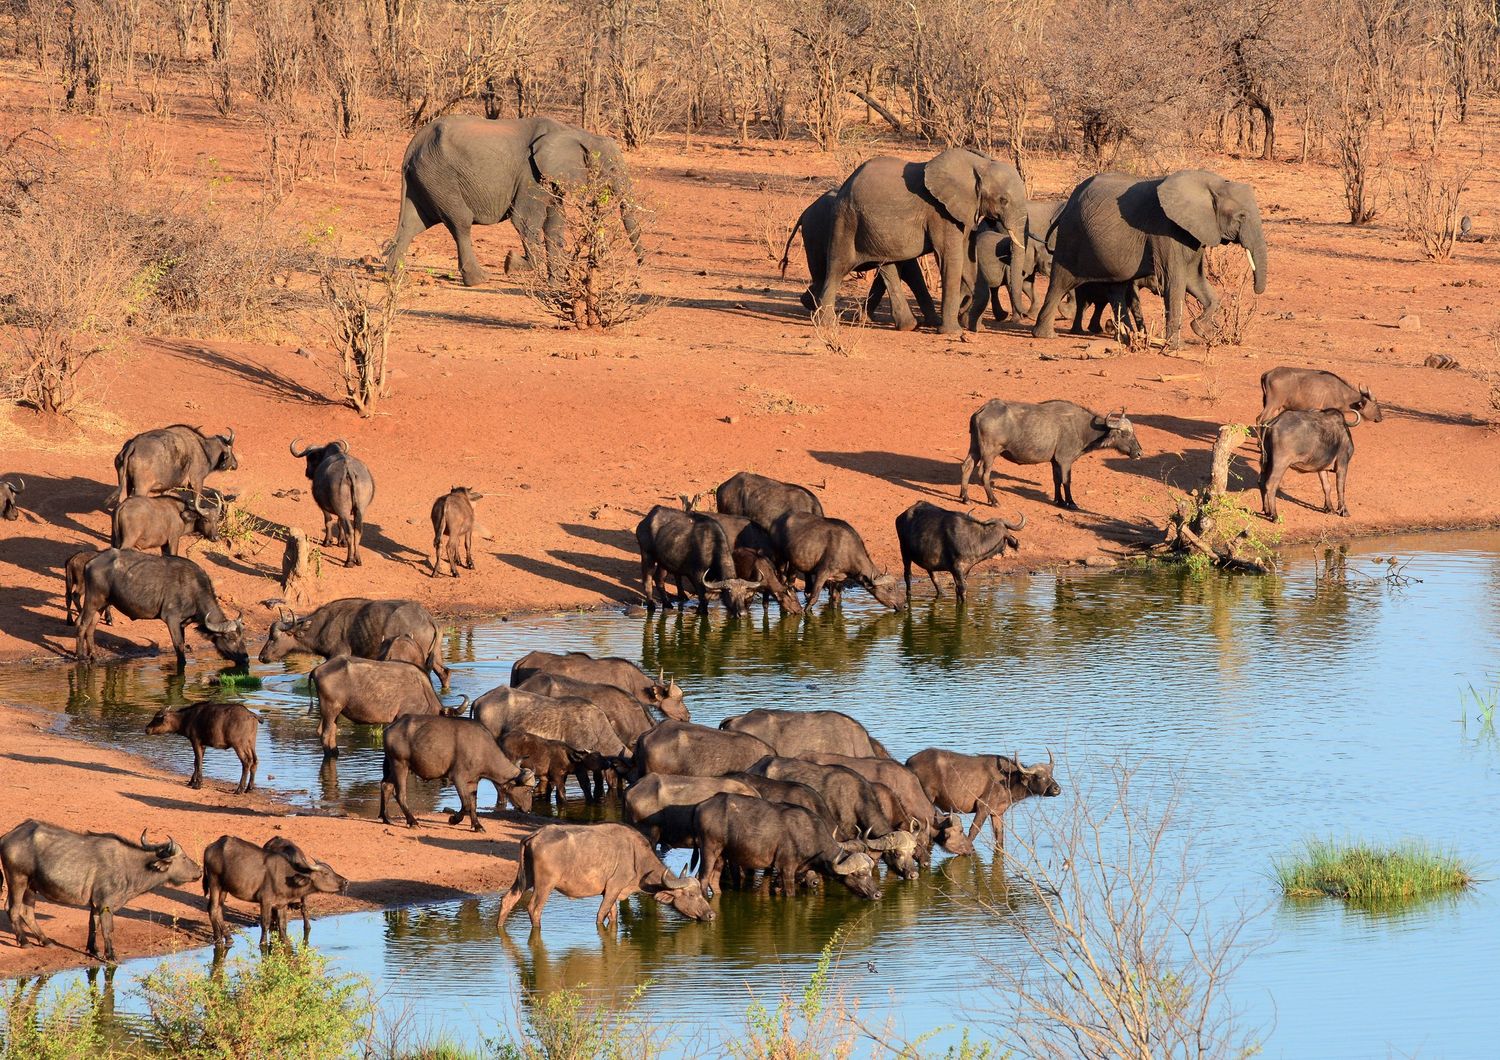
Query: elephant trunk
point(1253, 239)
point(1015, 279)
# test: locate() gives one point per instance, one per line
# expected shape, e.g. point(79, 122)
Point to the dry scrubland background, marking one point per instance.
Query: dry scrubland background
point(186, 185)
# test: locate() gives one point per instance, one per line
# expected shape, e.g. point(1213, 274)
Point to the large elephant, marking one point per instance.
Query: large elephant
point(890, 210)
point(815, 223)
point(461, 171)
point(1117, 228)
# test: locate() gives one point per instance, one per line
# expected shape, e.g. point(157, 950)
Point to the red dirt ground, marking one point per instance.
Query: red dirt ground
point(573, 436)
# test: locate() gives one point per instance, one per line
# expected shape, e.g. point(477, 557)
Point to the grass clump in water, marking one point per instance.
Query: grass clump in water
point(1367, 875)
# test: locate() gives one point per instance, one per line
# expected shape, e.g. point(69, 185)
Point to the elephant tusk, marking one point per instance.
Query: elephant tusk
point(1251, 256)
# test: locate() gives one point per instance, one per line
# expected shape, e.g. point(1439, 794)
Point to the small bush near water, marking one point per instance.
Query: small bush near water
point(1366, 875)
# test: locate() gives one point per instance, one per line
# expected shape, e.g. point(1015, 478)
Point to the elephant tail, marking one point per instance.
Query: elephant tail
point(786, 251)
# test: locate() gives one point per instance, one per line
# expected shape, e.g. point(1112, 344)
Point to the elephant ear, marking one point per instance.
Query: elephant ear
point(1187, 199)
point(951, 179)
point(560, 157)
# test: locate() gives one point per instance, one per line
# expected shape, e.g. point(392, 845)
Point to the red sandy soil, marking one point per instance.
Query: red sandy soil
point(574, 435)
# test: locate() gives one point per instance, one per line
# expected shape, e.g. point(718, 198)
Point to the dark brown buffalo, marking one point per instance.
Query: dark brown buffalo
point(1306, 441)
point(695, 550)
point(551, 760)
point(225, 726)
point(453, 518)
point(937, 539)
point(754, 557)
point(10, 497)
point(764, 500)
point(305, 865)
point(984, 785)
point(624, 711)
point(459, 750)
point(73, 586)
point(576, 723)
point(787, 791)
point(143, 523)
point(752, 833)
point(343, 488)
point(175, 457)
point(171, 588)
point(102, 872)
point(658, 692)
point(687, 750)
point(795, 733)
point(612, 860)
point(662, 805)
point(274, 880)
point(944, 829)
point(857, 808)
point(369, 692)
point(356, 626)
point(1308, 390)
point(1055, 432)
point(830, 552)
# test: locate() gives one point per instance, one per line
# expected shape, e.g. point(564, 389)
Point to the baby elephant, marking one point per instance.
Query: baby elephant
point(453, 518)
point(229, 726)
point(992, 273)
point(276, 876)
point(1306, 441)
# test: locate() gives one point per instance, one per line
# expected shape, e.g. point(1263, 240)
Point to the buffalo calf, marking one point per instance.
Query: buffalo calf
point(225, 726)
point(10, 493)
point(453, 518)
point(276, 877)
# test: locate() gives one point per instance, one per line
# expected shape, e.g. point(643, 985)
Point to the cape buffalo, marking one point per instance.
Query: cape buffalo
point(172, 457)
point(830, 552)
point(984, 785)
point(1058, 432)
point(624, 711)
point(662, 805)
point(73, 585)
point(695, 550)
point(226, 726)
point(369, 692)
point(453, 518)
point(794, 733)
point(170, 588)
point(100, 871)
point(274, 878)
point(576, 723)
point(751, 833)
point(143, 523)
point(937, 539)
point(666, 696)
point(1306, 441)
point(689, 750)
point(764, 500)
point(935, 827)
point(356, 626)
point(857, 808)
point(460, 750)
point(551, 760)
point(10, 493)
point(1308, 390)
point(754, 553)
point(612, 860)
point(343, 488)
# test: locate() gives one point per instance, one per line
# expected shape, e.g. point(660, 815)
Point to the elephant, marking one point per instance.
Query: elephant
point(890, 210)
point(1117, 228)
point(461, 170)
point(1122, 299)
point(992, 254)
point(815, 222)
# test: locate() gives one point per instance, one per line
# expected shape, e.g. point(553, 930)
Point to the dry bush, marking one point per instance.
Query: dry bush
point(1431, 195)
point(639, 52)
point(291, 143)
point(840, 333)
point(156, 96)
point(71, 284)
point(1228, 270)
point(337, 41)
point(282, 46)
point(594, 280)
point(1123, 958)
point(773, 219)
point(359, 311)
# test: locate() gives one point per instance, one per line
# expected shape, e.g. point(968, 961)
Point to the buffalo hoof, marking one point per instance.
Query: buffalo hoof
point(195, 784)
point(1344, 512)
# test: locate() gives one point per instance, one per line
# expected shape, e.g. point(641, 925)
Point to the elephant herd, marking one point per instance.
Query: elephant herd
point(1112, 235)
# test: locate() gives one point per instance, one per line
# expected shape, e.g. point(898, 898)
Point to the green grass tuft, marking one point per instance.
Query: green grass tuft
point(236, 682)
point(1370, 876)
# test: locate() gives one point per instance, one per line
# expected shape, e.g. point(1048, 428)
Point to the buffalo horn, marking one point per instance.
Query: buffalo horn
point(676, 883)
point(198, 504)
point(229, 438)
point(1050, 760)
point(1358, 419)
point(171, 850)
point(342, 445)
point(295, 451)
point(1017, 526)
point(145, 844)
point(709, 583)
point(526, 778)
point(20, 484)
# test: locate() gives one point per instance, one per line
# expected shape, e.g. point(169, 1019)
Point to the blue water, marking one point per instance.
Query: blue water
point(1277, 709)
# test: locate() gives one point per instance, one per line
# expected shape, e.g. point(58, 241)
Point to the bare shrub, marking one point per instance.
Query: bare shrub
point(773, 221)
point(594, 279)
point(840, 334)
point(156, 97)
point(468, 52)
point(281, 49)
point(1124, 957)
point(646, 97)
point(83, 56)
point(71, 287)
point(290, 145)
point(336, 33)
point(359, 311)
point(1231, 275)
point(1431, 195)
point(835, 41)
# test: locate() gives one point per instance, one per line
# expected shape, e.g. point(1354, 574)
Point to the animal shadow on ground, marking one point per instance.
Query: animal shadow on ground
point(1182, 470)
point(93, 767)
point(1191, 430)
point(577, 573)
point(1124, 531)
point(1452, 419)
point(921, 474)
point(503, 848)
point(57, 500)
point(376, 541)
point(160, 802)
point(624, 540)
point(258, 376)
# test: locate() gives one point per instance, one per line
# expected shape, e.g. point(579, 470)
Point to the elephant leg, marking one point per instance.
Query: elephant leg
point(554, 232)
point(1175, 297)
point(982, 295)
point(900, 308)
point(997, 310)
point(408, 226)
point(468, 265)
point(1199, 287)
point(951, 265)
point(872, 300)
point(911, 274)
point(841, 259)
point(1059, 284)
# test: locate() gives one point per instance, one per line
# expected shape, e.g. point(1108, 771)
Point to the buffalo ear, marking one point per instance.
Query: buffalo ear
point(298, 880)
point(1188, 201)
point(665, 897)
point(951, 180)
point(159, 865)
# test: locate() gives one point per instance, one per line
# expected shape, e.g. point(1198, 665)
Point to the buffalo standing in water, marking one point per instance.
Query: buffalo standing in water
point(936, 539)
